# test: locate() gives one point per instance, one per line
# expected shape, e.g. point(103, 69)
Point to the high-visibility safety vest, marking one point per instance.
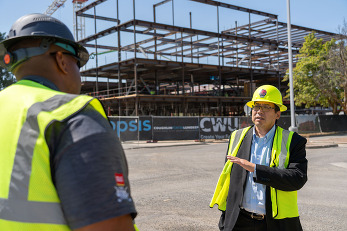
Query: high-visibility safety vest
point(28, 198)
point(284, 203)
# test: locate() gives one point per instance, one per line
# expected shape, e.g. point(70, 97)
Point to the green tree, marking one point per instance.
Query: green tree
point(6, 78)
point(317, 79)
point(337, 61)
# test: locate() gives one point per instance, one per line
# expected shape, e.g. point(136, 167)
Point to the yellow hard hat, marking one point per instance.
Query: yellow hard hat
point(267, 93)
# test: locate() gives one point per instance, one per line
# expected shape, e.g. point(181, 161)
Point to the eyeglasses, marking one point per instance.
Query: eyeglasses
point(264, 108)
point(67, 53)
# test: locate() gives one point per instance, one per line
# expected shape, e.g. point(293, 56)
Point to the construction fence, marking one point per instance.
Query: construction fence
point(156, 128)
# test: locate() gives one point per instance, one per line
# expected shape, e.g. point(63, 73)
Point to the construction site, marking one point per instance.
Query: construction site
point(159, 67)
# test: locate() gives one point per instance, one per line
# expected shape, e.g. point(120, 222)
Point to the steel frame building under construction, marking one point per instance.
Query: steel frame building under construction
point(175, 70)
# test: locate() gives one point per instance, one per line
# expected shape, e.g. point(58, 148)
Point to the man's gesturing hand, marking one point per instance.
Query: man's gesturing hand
point(243, 163)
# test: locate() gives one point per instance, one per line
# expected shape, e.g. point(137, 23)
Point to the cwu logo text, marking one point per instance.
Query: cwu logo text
point(217, 127)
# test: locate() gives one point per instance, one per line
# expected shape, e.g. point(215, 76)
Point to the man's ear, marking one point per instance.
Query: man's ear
point(62, 62)
point(278, 115)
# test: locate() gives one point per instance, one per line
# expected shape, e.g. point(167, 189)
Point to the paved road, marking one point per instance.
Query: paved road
point(323, 200)
point(172, 187)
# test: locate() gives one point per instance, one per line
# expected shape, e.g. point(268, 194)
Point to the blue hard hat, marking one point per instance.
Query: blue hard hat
point(41, 26)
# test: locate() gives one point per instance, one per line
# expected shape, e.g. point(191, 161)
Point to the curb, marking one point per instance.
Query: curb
point(162, 146)
point(321, 146)
point(309, 146)
point(134, 145)
point(308, 135)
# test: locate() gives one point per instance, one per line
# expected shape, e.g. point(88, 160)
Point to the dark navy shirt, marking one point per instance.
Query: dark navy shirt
point(88, 166)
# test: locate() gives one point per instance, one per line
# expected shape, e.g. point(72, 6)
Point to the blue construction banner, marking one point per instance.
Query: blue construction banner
point(175, 128)
point(158, 128)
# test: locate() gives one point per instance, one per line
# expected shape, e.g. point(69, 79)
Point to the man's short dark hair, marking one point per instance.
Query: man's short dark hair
point(277, 108)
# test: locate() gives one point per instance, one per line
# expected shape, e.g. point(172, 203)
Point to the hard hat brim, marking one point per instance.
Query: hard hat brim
point(82, 52)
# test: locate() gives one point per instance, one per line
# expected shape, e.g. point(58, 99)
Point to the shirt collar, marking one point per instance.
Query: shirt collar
point(41, 80)
point(268, 135)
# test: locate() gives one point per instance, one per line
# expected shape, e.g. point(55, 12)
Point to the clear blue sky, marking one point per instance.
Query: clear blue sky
point(318, 14)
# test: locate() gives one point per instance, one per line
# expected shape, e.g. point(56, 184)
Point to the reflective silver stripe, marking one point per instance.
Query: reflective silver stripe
point(31, 211)
point(237, 138)
point(17, 207)
point(283, 155)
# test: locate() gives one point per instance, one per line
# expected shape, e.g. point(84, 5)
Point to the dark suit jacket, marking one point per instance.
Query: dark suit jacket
point(290, 179)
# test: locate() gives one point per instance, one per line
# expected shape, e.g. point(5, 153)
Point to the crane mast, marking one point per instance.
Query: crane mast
point(56, 4)
point(78, 22)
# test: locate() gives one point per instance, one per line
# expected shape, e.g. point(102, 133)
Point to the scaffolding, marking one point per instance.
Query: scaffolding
point(79, 24)
point(171, 66)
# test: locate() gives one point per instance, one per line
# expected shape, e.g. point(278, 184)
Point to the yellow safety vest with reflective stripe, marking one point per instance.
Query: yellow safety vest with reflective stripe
point(28, 198)
point(284, 203)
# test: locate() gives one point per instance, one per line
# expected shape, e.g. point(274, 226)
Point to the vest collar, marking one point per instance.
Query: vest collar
point(41, 80)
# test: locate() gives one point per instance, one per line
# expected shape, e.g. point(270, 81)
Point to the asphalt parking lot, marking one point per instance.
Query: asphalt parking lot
point(172, 186)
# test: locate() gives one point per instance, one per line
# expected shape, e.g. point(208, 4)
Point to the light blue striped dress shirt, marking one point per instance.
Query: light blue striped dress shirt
point(254, 195)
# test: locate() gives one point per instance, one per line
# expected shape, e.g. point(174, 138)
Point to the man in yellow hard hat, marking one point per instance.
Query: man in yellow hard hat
point(265, 166)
